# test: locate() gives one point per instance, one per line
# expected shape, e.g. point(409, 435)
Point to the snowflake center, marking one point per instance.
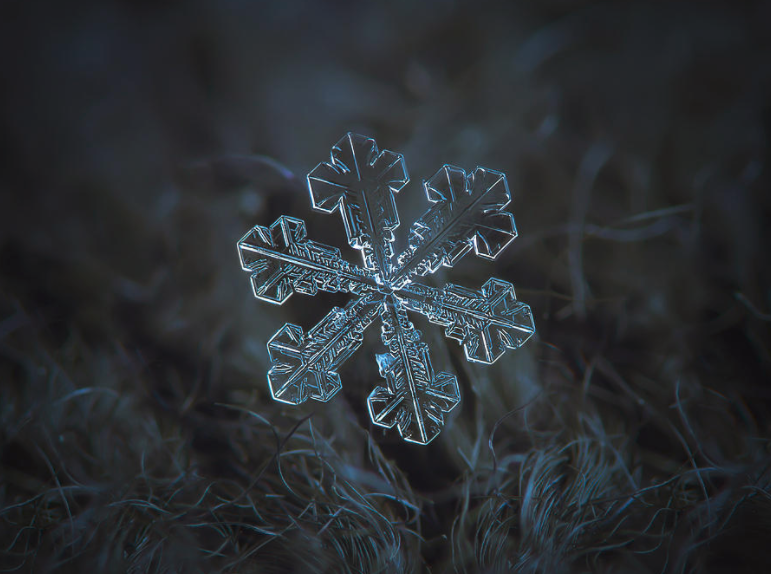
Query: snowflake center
point(387, 288)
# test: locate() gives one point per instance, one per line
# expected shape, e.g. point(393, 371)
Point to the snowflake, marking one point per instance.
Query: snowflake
point(466, 213)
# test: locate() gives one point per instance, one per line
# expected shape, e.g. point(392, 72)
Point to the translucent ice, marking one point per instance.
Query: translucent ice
point(467, 213)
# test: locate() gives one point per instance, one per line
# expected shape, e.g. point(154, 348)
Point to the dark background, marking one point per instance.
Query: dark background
point(140, 140)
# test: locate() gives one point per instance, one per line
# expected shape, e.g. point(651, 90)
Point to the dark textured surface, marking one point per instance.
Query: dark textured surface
point(139, 141)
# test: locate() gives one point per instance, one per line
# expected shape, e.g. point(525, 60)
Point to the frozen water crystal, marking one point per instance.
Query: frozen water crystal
point(467, 213)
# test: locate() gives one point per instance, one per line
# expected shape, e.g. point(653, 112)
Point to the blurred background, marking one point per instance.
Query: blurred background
point(140, 140)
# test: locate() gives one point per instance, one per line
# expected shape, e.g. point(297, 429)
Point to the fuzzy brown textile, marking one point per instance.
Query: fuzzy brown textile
point(140, 140)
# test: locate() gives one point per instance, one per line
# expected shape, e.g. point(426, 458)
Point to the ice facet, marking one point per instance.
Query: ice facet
point(467, 213)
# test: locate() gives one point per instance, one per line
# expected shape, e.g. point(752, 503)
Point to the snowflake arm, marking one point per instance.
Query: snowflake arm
point(305, 366)
point(414, 398)
point(282, 261)
point(467, 213)
point(486, 323)
point(360, 182)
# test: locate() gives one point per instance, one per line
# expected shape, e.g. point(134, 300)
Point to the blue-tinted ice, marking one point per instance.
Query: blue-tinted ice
point(467, 213)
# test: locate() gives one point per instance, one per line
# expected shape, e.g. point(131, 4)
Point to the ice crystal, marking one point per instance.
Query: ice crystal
point(467, 213)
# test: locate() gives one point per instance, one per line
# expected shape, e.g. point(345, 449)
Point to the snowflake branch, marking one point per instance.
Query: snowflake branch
point(305, 366)
point(467, 213)
point(414, 398)
point(282, 261)
point(360, 182)
point(486, 323)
